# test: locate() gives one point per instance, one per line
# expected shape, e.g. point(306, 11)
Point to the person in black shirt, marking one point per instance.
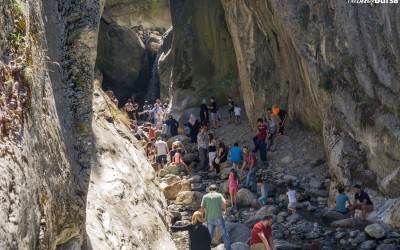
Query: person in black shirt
point(213, 113)
point(199, 236)
point(203, 113)
point(361, 202)
point(231, 112)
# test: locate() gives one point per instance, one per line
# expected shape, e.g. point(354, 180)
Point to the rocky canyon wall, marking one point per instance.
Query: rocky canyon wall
point(202, 56)
point(335, 67)
point(49, 145)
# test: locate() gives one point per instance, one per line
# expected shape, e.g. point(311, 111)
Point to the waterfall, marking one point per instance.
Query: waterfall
point(153, 90)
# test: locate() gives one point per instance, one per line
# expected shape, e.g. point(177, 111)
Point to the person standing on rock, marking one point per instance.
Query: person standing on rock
point(237, 114)
point(341, 200)
point(162, 153)
point(282, 115)
point(261, 235)
point(264, 192)
point(212, 203)
point(129, 109)
point(173, 126)
point(361, 202)
point(212, 151)
point(202, 146)
point(231, 109)
point(213, 113)
point(260, 140)
point(199, 235)
point(194, 126)
point(249, 158)
point(204, 113)
point(222, 156)
point(272, 128)
point(233, 186)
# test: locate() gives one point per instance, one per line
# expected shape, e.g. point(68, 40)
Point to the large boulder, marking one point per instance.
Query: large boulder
point(284, 245)
point(240, 246)
point(263, 211)
point(331, 216)
point(245, 197)
point(238, 232)
point(188, 197)
point(375, 231)
point(174, 169)
point(171, 191)
point(313, 192)
point(170, 179)
point(368, 245)
point(182, 138)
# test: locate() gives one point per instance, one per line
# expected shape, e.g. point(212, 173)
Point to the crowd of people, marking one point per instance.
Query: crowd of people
point(160, 125)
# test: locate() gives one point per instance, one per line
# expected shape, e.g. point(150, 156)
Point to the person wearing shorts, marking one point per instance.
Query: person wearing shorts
point(162, 152)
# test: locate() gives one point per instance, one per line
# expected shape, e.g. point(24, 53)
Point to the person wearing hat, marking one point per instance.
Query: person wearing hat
point(212, 203)
point(261, 235)
point(199, 237)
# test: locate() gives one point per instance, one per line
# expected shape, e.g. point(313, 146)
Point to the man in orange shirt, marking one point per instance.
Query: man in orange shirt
point(261, 235)
point(282, 114)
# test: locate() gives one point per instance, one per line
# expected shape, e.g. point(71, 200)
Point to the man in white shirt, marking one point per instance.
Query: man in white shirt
point(162, 152)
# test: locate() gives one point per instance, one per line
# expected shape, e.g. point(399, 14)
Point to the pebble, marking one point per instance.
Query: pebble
point(367, 245)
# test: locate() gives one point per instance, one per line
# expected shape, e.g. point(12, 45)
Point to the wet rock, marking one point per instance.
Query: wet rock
point(375, 230)
point(331, 216)
point(350, 222)
point(245, 197)
point(368, 245)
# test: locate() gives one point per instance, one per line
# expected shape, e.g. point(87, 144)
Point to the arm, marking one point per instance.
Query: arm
point(181, 228)
point(202, 210)
point(243, 165)
point(251, 163)
point(264, 240)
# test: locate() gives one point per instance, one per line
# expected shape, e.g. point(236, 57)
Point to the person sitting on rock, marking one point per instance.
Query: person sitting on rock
point(178, 159)
point(261, 235)
point(264, 192)
point(291, 194)
point(341, 200)
point(361, 202)
point(199, 235)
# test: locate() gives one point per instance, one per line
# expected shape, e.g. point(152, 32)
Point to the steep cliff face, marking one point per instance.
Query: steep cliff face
point(202, 54)
point(45, 156)
point(48, 146)
point(332, 71)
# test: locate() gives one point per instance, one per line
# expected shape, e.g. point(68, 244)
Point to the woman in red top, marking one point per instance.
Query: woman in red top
point(261, 235)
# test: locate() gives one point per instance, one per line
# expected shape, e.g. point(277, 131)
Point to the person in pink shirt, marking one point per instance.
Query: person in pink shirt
point(178, 159)
point(233, 186)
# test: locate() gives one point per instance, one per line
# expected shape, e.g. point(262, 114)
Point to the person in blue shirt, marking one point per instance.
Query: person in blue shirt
point(235, 153)
point(341, 200)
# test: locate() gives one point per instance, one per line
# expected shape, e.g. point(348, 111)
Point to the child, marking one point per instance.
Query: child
point(291, 194)
point(233, 186)
point(237, 114)
point(264, 193)
point(178, 159)
point(341, 200)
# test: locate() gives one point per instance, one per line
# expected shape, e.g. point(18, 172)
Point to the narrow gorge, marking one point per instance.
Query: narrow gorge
point(74, 176)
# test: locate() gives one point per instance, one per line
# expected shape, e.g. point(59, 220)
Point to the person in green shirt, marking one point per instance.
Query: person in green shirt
point(212, 203)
